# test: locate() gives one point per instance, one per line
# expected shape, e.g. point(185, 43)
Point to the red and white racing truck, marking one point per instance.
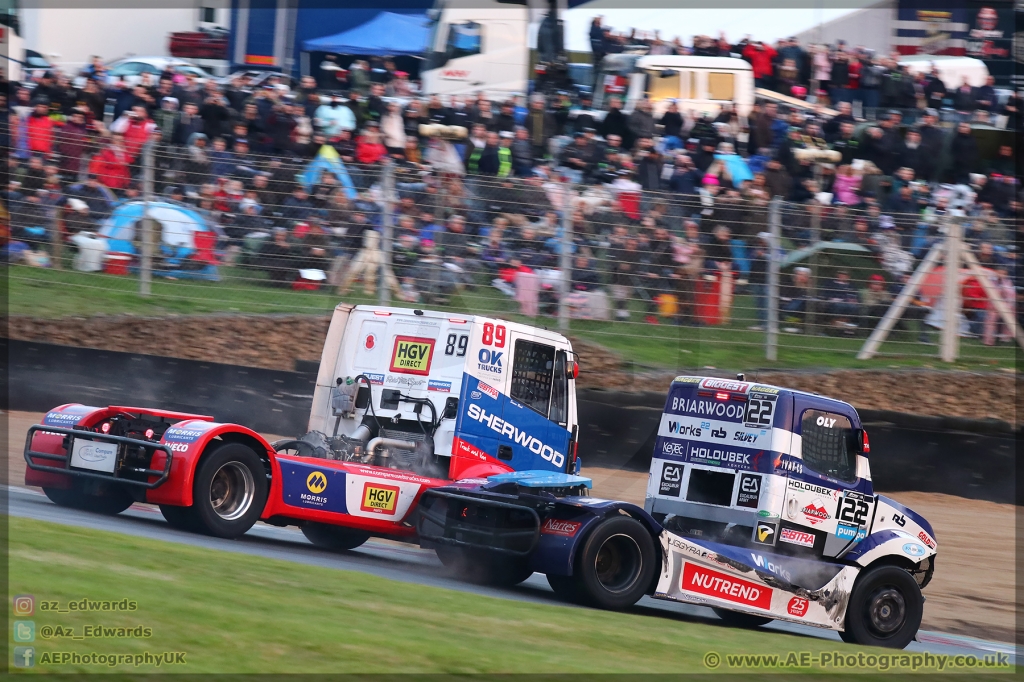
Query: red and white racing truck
point(405, 400)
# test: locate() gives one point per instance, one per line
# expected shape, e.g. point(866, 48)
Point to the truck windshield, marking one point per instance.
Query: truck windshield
point(825, 440)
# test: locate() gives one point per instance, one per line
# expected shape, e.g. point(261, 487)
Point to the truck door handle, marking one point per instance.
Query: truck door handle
point(791, 507)
point(505, 452)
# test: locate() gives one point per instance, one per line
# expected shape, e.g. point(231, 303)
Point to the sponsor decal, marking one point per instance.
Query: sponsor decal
point(765, 389)
point(761, 562)
point(377, 379)
point(316, 482)
point(462, 447)
point(454, 74)
point(797, 537)
point(765, 532)
point(765, 514)
point(707, 408)
point(750, 491)
point(718, 457)
point(793, 466)
point(913, 549)
point(812, 488)
point(306, 486)
point(711, 583)
point(827, 422)
point(719, 433)
point(488, 390)
point(845, 531)
point(684, 429)
point(686, 380)
point(94, 455)
point(671, 480)
point(490, 360)
point(815, 512)
point(926, 539)
point(379, 498)
point(854, 508)
point(759, 411)
point(439, 386)
point(475, 395)
point(899, 519)
point(797, 607)
point(178, 435)
point(407, 382)
point(725, 385)
point(674, 448)
point(61, 419)
point(744, 437)
point(412, 355)
point(566, 529)
point(513, 433)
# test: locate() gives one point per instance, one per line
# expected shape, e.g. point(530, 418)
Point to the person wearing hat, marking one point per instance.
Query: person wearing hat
point(505, 154)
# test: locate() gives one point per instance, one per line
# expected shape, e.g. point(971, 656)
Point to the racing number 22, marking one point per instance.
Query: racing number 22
point(450, 345)
point(493, 335)
point(853, 510)
point(759, 412)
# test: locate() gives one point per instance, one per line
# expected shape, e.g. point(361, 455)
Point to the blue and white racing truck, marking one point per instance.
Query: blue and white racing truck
point(759, 504)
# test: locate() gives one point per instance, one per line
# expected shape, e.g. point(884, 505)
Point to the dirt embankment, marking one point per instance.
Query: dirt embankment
point(277, 341)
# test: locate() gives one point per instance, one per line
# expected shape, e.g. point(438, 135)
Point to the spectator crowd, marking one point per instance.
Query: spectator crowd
point(662, 212)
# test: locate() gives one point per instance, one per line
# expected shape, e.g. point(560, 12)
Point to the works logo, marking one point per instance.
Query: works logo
point(684, 429)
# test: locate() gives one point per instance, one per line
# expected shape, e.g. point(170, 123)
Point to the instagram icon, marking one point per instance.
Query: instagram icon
point(24, 605)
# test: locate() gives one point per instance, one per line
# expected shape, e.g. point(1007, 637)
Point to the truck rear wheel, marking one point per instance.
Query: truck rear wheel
point(483, 567)
point(229, 492)
point(741, 620)
point(885, 608)
point(334, 538)
point(616, 563)
point(113, 499)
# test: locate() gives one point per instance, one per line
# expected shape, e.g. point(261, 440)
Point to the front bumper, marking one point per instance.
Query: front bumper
point(121, 470)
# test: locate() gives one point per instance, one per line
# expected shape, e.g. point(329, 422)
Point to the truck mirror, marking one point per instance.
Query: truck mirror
point(857, 441)
point(572, 370)
point(451, 408)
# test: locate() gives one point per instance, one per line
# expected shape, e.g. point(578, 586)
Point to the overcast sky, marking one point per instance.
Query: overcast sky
point(763, 24)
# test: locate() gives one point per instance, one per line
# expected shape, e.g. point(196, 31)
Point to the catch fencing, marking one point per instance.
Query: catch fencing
point(724, 279)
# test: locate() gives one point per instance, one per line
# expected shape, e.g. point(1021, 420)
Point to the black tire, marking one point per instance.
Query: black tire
point(484, 568)
point(113, 500)
point(229, 492)
point(616, 564)
point(566, 588)
point(885, 608)
point(182, 518)
point(334, 538)
point(741, 620)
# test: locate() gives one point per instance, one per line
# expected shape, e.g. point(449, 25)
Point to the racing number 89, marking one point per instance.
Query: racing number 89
point(759, 412)
point(493, 335)
point(450, 344)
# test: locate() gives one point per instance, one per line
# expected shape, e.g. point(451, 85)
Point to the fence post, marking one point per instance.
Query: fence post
point(56, 238)
point(950, 349)
point(771, 350)
point(387, 185)
point(564, 255)
point(146, 266)
point(812, 303)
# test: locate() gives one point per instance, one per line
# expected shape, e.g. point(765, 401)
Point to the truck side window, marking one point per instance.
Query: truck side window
point(559, 391)
point(464, 40)
point(825, 437)
point(532, 367)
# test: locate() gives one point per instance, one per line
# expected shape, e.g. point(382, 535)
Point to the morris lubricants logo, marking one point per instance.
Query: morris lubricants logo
point(316, 482)
point(412, 355)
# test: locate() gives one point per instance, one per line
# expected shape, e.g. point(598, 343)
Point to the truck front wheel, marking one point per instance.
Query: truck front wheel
point(111, 500)
point(230, 491)
point(334, 538)
point(885, 608)
point(616, 563)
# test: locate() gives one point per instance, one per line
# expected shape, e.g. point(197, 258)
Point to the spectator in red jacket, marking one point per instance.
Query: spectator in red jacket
point(760, 56)
point(40, 128)
point(110, 166)
point(369, 148)
point(136, 127)
point(975, 303)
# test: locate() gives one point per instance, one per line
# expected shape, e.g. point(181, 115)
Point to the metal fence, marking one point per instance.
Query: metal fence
point(719, 278)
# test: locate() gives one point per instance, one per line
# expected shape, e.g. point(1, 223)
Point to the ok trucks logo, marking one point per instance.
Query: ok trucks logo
point(379, 499)
point(721, 586)
point(412, 355)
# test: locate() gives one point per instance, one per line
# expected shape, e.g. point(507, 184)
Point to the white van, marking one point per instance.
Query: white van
point(952, 70)
point(698, 84)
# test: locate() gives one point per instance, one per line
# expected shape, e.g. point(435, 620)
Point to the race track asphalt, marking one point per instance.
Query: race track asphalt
point(406, 563)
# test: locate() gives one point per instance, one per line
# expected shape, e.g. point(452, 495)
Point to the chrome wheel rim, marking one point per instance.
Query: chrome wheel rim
point(618, 563)
point(232, 490)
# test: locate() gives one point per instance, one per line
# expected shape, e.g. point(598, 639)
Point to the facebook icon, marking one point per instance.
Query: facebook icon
point(24, 656)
